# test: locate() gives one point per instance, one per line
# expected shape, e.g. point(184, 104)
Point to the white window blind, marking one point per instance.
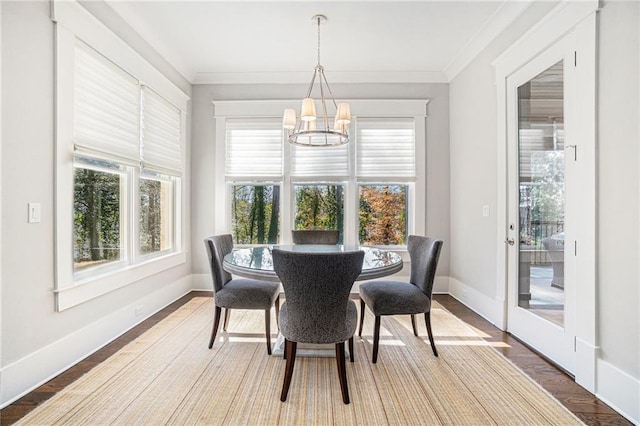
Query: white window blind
point(386, 148)
point(320, 161)
point(254, 148)
point(161, 136)
point(106, 100)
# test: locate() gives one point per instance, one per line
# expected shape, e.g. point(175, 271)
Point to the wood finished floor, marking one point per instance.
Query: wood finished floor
point(586, 406)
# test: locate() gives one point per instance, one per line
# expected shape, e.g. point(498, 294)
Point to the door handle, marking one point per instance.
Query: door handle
point(509, 241)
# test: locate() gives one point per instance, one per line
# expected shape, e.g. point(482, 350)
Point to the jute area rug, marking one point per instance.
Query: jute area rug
point(169, 376)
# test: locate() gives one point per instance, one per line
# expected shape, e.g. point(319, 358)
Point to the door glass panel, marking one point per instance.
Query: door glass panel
point(542, 196)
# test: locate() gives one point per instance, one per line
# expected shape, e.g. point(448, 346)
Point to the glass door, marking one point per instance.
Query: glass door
point(539, 310)
point(541, 191)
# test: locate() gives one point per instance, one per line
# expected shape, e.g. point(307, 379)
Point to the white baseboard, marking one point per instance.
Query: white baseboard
point(619, 390)
point(490, 309)
point(586, 365)
point(31, 371)
point(201, 282)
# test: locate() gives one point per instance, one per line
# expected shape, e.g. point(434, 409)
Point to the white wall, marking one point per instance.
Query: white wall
point(474, 161)
point(30, 327)
point(474, 182)
point(619, 248)
point(202, 173)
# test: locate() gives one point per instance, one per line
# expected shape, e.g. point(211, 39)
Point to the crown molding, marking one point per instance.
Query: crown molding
point(334, 77)
point(502, 18)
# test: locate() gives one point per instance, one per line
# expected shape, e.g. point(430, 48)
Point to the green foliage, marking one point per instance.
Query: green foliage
point(319, 207)
point(547, 193)
point(96, 208)
point(255, 210)
point(150, 217)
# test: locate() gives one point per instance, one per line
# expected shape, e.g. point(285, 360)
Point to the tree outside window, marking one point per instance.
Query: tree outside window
point(383, 214)
point(255, 214)
point(96, 218)
point(319, 207)
point(155, 215)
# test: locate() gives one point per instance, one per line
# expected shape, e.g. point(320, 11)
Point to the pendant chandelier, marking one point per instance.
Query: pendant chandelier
point(311, 129)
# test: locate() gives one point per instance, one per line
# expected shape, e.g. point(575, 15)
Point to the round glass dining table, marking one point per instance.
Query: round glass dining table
point(256, 262)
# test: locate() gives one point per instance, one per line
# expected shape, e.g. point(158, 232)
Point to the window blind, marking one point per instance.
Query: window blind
point(254, 148)
point(319, 161)
point(161, 136)
point(385, 148)
point(106, 100)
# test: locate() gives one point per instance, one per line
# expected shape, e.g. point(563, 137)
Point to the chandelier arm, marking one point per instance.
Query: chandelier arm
point(323, 101)
point(330, 93)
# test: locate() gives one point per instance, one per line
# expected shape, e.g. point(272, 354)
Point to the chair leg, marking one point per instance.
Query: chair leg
point(277, 305)
point(351, 355)
point(362, 306)
point(216, 324)
point(427, 320)
point(413, 324)
point(288, 372)
point(376, 339)
point(342, 372)
point(267, 326)
point(227, 314)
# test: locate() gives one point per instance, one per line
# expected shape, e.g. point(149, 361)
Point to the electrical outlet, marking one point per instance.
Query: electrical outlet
point(138, 310)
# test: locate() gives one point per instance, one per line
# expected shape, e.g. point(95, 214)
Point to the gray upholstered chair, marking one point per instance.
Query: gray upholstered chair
point(315, 236)
point(404, 298)
point(238, 293)
point(317, 308)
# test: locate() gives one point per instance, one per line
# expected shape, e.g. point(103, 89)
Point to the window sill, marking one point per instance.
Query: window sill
point(95, 286)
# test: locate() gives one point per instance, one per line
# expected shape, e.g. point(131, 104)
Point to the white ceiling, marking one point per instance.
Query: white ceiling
point(363, 41)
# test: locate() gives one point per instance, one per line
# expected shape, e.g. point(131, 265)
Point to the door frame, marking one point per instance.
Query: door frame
point(555, 340)
point(581, 19)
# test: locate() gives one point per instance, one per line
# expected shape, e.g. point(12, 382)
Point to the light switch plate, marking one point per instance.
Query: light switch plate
point(485, 211)
point(35, 212)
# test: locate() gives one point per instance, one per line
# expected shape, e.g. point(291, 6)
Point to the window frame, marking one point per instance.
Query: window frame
point(73, 22)
point(388, 108)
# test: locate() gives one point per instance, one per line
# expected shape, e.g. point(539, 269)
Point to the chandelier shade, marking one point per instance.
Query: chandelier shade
point(318, 129)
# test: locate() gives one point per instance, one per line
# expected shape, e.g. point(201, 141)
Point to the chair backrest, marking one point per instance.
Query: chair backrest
point(315, 236)
point(316, 289)
point(424, 253)
point(218, 246)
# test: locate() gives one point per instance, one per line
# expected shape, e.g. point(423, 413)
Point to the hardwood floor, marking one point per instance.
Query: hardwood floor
point(587, 407)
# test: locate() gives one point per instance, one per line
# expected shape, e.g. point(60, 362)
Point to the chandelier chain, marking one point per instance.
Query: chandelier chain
point(318, 41)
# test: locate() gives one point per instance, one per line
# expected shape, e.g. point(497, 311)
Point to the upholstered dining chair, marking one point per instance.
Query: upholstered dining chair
point(238, 293)
point(317, 308)
point(404, 298)
point(315, 236)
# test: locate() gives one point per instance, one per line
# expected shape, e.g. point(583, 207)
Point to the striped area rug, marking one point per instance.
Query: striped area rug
point(169, 376)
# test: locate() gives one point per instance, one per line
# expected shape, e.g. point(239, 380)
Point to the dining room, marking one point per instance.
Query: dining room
point(133, 131)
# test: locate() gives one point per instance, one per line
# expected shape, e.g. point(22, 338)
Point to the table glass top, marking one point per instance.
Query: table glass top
point(259, 258)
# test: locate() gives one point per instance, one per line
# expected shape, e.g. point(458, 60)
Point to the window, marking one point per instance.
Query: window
point(365, 189)
point(97, 214)
point(319, 207)
point(121, 124)
point(255, 213)
point(119, 163)
point(155, 218)
point(382, 215)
